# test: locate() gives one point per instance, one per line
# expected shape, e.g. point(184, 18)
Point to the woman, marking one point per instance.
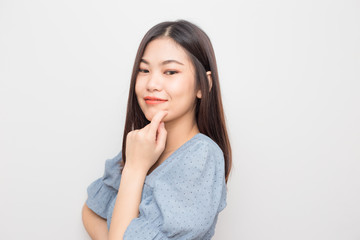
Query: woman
point(176, 155)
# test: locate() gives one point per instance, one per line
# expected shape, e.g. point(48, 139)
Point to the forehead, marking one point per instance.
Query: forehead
point(165, 48)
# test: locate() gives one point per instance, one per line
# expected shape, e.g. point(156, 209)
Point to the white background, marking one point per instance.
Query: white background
point(290, 79)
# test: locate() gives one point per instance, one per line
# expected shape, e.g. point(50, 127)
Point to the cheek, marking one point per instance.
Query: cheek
point(138, 88)
point(183, 88)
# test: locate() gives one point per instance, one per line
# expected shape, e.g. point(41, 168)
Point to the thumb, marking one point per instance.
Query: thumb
point(161, 137)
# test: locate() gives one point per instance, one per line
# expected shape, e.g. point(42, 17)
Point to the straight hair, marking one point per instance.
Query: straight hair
point(209, 111)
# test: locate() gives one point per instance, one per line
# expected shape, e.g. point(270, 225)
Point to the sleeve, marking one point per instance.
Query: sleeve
point(188, 199)
point(103, 191)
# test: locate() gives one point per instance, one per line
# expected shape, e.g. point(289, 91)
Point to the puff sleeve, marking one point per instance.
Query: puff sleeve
point(103, 191)
point(186, 200)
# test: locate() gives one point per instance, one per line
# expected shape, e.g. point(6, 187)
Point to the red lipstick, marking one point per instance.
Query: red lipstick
point(154, 100)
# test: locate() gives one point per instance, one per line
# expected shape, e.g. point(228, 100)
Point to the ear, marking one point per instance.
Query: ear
point(198, 94)
point(208, 74)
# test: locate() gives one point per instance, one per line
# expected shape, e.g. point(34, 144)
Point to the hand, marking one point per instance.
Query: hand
point(144, 146)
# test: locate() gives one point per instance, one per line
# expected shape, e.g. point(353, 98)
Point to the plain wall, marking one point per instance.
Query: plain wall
point(289, 73)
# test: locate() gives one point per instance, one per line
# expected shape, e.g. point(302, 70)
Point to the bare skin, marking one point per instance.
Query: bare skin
point(143, 149)
point(132, 180)
point(171, 125)
point(94, 225)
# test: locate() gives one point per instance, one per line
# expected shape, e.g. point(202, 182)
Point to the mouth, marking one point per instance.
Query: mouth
point(154, 100)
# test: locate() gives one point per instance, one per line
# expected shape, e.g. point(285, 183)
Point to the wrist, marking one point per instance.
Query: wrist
point(133, 170)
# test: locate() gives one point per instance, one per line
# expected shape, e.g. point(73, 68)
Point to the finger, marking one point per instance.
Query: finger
point(154, 124)
point(161, 138)
point(159, 129)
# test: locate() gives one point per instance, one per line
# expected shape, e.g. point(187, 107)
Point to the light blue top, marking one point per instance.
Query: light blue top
point(181, 198)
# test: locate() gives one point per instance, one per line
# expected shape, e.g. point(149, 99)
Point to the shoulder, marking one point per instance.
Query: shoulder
point(203, 144)
point(203, 150)
point(198, 158)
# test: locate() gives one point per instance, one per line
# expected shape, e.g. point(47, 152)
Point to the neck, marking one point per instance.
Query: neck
point(178, 133)
point(177, 136)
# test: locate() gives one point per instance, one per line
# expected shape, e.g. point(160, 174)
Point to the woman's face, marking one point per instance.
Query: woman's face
point(167, 74)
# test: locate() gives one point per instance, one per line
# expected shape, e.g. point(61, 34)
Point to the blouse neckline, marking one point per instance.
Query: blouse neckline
point(150, 178)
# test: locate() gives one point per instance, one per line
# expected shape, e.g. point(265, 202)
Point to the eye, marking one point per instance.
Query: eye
point(170, 72)
point(143, 70)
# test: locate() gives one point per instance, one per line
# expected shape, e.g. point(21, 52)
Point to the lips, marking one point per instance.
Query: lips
point(154, 100)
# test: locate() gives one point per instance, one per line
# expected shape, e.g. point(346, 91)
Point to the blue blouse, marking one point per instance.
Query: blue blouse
point(181, 198)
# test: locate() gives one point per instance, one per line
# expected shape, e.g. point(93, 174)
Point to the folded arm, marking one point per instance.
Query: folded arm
point(95, 225)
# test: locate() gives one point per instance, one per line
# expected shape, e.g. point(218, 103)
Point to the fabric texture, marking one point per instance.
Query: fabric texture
point(181, 198)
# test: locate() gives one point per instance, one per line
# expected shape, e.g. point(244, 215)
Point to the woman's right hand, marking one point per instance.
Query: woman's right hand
point(144, 146)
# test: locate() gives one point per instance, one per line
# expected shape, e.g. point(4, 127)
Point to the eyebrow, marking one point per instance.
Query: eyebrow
point(164, 62)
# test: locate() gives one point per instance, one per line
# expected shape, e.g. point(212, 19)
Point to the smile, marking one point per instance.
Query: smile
point(154, 100)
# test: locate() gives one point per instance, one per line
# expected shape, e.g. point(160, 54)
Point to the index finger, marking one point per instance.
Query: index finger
point(155, 122)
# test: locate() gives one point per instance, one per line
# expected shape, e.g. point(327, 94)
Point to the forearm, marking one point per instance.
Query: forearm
point(94, 224)
point(127, 201)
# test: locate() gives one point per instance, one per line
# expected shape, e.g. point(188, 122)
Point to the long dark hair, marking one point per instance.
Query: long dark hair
point(209, 109)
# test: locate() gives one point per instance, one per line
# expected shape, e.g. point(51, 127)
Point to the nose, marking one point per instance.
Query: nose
point(154, 82)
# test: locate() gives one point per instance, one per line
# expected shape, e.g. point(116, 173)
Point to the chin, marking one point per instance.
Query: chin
point(149, 116)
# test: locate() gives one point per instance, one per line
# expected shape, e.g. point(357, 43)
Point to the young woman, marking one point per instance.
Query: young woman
point(169, 179)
